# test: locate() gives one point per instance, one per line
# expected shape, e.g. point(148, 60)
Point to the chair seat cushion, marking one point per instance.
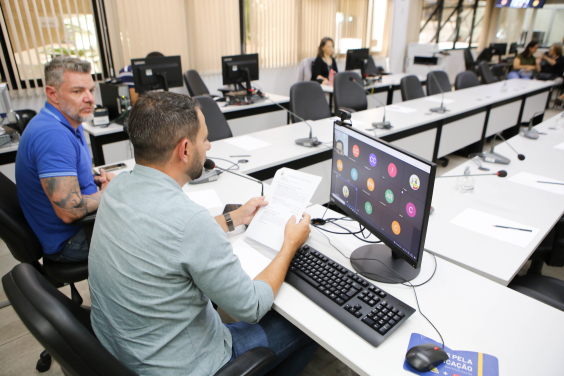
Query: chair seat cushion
point(66, 272)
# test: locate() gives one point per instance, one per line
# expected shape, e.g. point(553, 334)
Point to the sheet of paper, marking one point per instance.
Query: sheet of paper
point(526, 178)
point(402, 109)
point(560, 146)
point(439, 100)
point(247, 142)
point(483, 223)
point(252, 261)
point(207, 198)
point(290, 192)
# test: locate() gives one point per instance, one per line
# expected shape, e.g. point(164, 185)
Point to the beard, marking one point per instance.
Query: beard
point(196, 168)
point(74, 114)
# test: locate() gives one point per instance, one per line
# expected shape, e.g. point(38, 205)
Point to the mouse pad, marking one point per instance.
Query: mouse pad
point(461, 363)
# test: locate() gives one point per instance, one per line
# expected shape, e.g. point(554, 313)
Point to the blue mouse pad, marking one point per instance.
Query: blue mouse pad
point(461, 363)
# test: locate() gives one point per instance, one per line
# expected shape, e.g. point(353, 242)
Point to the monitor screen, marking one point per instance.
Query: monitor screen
point(357, 59)
point(157, 73)
point(384, 188)
point(520, 3)
point(232, 66)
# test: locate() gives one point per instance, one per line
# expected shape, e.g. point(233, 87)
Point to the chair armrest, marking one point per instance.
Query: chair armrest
point(250, 363)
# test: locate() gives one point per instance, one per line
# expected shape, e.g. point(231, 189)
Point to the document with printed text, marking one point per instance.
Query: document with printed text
point(290, 193)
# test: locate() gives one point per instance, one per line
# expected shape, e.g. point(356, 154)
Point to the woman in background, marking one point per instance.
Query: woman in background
point(525, 63)
point(324, 61)
point(551, 64)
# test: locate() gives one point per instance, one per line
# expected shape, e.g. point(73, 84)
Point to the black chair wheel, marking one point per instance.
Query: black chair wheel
point(445, 163)
point(44, 362)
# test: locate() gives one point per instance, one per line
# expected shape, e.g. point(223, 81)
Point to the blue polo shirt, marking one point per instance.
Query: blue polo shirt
point(49, 147)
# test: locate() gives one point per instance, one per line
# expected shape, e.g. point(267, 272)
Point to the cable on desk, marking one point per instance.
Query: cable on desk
point(233, 164)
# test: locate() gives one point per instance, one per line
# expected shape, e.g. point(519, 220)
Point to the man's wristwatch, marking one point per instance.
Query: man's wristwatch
point(229, 221)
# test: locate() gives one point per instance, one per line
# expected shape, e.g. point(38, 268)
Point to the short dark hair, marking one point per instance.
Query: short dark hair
point(154, 54)
point(158, 122)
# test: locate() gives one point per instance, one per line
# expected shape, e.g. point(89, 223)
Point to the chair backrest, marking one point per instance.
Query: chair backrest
point(487, 75)
point(348, 94)
point(307, 100)
point(24, 117)
point(14, 229)
point(195, 84)
point(59, 324)
point(442, 78)
point(217, 124)
point(411, 88)
point(465, 80)
point(468, 59)
point(305, 69)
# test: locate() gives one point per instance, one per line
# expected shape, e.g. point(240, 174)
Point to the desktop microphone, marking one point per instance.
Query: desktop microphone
point(500, 173)
point(492, 157)
point(210, 165)
point(441, 109)
point(530, 132)
point(379, 125)
point(209, 174)
point(307, 142)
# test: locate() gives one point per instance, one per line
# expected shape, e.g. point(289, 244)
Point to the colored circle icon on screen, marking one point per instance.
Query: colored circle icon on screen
point(373, 160)
point(414, 182)
point(370, 184)
point(356, 151)
point(392, 170)
point(346, 191)
point(368, 207)
point(389, 196)
point(340, 165)
point(354, 174)
point(396, 228)
point(410, 209)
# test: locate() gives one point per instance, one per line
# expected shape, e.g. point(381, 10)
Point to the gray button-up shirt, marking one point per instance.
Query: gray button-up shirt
point(156, 260)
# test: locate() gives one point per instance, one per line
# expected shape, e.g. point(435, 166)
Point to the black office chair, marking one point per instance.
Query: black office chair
point(486, 74)
point(307, 100)
point(469, 60)
point(465, 80)
point(64, 328)
point(195, 84)
point(24, 116)
point(348, 95)
point(217, 124)
point(442, 78)
point(411, 88)
point(542, 288)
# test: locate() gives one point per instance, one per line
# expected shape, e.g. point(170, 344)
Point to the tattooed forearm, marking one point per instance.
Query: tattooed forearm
point(68, 202)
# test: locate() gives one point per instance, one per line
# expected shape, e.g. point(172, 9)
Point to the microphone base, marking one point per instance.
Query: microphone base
point(207, 176)
point(533, 134)
point(440, 110)
point(308, 142)
point(382, 125)
point(494, 158)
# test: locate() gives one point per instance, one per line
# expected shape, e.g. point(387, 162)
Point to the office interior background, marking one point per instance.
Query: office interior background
point(109, 33)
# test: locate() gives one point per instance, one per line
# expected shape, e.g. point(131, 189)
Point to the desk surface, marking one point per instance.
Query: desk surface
point(10, 147)
point(387, 81)
point(471, 312)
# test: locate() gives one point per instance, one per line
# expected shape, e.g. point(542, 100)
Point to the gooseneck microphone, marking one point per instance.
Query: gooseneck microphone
point(530, 132)
point(209, 174)
point(382, 124)
point(500, 173)
point(492, 157)
point(307, 142)
point(441, 109)
point(210, 165)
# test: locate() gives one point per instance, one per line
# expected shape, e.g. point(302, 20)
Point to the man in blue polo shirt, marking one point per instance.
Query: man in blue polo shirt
point(53, 165)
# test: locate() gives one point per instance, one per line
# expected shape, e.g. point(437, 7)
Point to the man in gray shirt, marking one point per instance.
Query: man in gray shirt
point(157, 258)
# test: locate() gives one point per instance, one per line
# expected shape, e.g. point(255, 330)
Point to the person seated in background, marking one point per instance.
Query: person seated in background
point(126, 76)
point(324, 61)
point(157, 258)
point(53, 165)
point(551, 64)
point(525, 64)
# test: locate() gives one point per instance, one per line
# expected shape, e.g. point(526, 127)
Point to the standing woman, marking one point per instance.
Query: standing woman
point(324, 61)
point(525, 64)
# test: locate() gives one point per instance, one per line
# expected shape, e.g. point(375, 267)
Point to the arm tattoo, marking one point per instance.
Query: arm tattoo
point(64, 193)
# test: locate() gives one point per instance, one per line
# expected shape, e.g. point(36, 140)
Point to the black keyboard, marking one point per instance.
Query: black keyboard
point(363, 307)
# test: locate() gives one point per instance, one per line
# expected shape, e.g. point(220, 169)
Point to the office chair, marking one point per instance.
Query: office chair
point(195, 84)
point(442, 78)
point(486, 74)
point(411, 88)
point(542, 288)
point(217, 124)
point(64, 328)
point(469, 60)
point(24, 116)
point(465, 80)
point(348, 95)
point(305, 69)
point(307, 100)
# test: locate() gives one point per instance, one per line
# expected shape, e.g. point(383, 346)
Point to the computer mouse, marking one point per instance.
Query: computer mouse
point(425, 357)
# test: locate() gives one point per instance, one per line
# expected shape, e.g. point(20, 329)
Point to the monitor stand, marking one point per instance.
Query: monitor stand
point(363, 261)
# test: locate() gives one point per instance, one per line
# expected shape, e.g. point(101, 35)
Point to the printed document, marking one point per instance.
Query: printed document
point(290, 193)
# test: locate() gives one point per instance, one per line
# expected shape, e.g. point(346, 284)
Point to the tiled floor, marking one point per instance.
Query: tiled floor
point(19, 351)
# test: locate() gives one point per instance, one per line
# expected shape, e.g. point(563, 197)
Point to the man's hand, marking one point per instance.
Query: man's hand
point(104, 178)
point(245, 214)
point(296, 234)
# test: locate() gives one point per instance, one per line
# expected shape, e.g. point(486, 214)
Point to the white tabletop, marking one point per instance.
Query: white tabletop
point(387, 81)
point(471, 312)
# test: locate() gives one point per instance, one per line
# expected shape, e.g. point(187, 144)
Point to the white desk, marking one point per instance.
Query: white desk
point(471, 312)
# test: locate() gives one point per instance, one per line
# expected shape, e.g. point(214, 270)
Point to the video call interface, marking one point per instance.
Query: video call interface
point(383, 186)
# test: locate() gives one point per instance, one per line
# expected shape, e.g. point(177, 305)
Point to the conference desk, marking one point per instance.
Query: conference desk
point(102, 135)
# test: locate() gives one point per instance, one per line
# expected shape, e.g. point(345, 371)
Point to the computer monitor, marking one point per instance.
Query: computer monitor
point(513, 49)
point(6, 109)
point(485, 55)
point(388, 191)
point(357, 59)
point(157, 73)
point(240, 68)
point(499, 49)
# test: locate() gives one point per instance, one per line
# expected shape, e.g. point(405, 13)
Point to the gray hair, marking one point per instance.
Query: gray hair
point(158, 122)
point(55, 69)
